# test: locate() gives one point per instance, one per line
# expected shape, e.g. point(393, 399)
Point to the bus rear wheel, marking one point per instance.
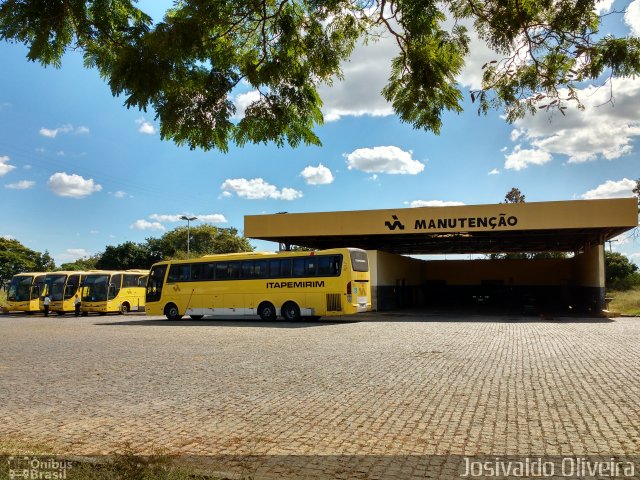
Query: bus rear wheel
point(172, 312)
point(267, 312)
point(291, 312)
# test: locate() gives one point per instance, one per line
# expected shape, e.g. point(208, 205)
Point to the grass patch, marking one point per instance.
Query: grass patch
point(10, 446)
point(627, 302)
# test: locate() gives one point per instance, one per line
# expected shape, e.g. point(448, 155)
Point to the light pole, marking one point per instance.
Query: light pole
point(188, 219)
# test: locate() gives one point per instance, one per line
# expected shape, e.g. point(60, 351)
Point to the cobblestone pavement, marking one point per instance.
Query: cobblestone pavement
point(384, 385)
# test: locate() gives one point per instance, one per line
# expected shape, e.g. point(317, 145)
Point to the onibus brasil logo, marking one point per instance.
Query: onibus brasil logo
point(396, 223)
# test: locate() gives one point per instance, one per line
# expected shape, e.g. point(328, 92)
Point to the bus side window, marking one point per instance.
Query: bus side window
point(273, 268)
point(324, 265)
point(208, 271)
point(196, 271)
point(235, 268)
point(247, 269)
point(174, 273)
point(222, 271)
point(260, 269)
point(298, 267)
point(335, 265)
point(179, 273)
point(285, 267)
point(310, 267)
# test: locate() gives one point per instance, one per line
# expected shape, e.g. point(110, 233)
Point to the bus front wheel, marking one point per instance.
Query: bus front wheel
point(291, 312)
point(267, 311)
point(172, 312)
point(124, 308)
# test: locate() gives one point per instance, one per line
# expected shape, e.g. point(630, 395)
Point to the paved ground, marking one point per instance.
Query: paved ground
point(412, 384)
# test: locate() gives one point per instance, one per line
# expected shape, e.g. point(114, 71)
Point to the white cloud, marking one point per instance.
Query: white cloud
point(319, 175)
point(73, 185)
point(495, 171)
point(213, 218)
point(634, 257)
point(145, 127)
point(146, 225)
point(72, 254)
point(516, 134)
point(632, 17)
point(243, 100)
point(7, 237)
point(68, 128)
point(521, 158)
point(610, 189)
point(21, 185)
point(603, 6)
point(257, 188)
point(365, 74)
point(209, 217)
point(389, 159)
point(602, 130)
point(4, 165)
point(434, 203)
point(119, 194)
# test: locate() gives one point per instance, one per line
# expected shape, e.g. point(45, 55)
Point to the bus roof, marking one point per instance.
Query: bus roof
point(254, 255)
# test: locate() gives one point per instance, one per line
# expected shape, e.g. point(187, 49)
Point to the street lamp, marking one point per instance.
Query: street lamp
point(188, 219)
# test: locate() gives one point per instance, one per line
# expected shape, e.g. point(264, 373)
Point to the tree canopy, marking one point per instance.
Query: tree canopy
point(620, 272)
point(16, 258)
point(186, 66)
point(514, 196)
point(204, 240)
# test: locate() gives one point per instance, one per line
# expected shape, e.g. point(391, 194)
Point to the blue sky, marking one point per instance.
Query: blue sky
point(78, 171)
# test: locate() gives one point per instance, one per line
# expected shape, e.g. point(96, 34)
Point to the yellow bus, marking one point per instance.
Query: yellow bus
point(24, 292)
point(62, 288)
point(291, 284)
point(114, 292)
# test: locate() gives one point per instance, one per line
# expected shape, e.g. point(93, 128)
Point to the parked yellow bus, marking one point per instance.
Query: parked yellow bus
point(291, 284)
point(111, 292)
point(62, 288)
point(24, 292)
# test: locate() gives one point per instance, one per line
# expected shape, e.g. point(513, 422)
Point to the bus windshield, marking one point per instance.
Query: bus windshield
point(96, 288)
point(54, 286)
point(19, 289)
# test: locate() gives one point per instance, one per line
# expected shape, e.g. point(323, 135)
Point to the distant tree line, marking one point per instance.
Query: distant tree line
point(204, 240)
point(620, 272)
point(15, 258)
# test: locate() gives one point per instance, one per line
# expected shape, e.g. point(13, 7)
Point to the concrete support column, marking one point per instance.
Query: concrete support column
point(589, 278)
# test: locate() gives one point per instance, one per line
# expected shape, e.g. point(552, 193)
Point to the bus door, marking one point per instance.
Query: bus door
point(155, 283)
point(71, 288)
point(115, 284)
